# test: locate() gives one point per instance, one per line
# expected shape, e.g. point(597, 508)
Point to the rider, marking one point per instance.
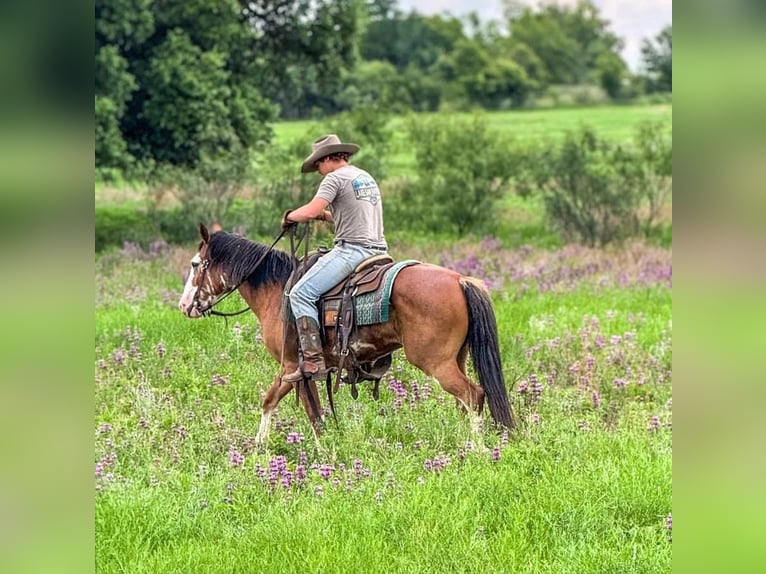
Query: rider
point(350, 198)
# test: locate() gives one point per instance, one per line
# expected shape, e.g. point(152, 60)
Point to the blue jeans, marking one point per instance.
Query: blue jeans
point(327, 272)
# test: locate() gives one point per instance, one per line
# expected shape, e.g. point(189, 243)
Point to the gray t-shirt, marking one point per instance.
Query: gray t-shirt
point(356, 205)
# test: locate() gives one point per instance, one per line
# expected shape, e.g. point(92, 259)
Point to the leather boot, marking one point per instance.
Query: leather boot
point(313, 366)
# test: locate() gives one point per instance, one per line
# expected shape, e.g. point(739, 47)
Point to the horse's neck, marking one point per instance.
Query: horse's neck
point(266, 301)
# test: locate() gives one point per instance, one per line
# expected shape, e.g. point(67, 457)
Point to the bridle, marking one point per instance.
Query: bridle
point(205, 263)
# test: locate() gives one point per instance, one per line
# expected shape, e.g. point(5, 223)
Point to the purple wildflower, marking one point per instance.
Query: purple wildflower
point(160, 349)
point(595, 398)
point(118, 356)
point(236, 458)
point(654, 424)
point(295, 438)
point(669, 526)
point(495, 454)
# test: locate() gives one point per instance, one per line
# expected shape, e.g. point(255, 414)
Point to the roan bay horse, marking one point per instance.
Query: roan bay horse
point(437, 316)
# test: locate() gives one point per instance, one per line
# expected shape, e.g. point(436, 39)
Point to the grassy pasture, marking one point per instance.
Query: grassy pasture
point(616, 123)
point(584, 485)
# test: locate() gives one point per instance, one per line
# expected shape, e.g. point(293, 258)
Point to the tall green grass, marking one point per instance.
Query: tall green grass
point(180, 486)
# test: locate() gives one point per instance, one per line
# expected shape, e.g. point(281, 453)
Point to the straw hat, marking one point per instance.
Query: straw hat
point(324, 146)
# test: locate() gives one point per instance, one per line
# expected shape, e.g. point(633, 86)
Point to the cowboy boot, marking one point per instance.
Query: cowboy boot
point(313, 366)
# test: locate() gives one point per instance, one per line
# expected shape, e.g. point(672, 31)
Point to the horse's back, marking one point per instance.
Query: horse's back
point(429, 305)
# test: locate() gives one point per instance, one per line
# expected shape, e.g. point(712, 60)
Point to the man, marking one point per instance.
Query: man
point(350, 198)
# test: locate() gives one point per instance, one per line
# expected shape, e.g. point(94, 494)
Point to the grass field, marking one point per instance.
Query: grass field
point(616, 123)
point(612, 122)
point(584, 485)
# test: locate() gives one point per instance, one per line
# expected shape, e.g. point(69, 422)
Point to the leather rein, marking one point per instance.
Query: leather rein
point(293, 247)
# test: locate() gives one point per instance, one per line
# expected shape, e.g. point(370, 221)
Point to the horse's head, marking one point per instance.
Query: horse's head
point(206, 283)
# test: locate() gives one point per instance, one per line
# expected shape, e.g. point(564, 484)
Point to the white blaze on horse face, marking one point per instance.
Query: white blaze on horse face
point(189, 289)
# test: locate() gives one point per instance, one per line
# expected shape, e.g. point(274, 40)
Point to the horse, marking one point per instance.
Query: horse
point(437, 316)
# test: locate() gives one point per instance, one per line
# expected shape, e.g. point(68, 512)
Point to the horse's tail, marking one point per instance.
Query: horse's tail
point(485, 349)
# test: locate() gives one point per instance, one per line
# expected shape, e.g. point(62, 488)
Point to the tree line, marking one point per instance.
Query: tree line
point(190, 88)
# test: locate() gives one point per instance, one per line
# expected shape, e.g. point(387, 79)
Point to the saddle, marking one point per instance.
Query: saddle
point(338, 310)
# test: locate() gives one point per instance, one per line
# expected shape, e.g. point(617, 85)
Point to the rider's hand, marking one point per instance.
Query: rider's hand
point(286, 223)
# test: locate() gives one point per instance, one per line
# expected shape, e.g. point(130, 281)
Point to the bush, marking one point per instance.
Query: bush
point(119, 224)
point(596, 192)
point(462, 168)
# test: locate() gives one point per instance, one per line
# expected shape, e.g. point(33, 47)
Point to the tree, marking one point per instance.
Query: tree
point(611, 71)
point(300, 49)
point(568, 40)
point(657, 58)
point(473, 78)
point(410, 40)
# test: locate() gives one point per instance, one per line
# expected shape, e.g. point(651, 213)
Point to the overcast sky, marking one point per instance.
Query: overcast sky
point(631, 20)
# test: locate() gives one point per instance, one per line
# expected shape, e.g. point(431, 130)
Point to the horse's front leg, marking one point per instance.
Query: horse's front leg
point(271, 399)
point(309, 396)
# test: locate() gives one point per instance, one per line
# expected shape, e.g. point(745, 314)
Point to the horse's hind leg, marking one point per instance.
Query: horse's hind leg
point(470, 396)
point(462, 361)
point(271, 399)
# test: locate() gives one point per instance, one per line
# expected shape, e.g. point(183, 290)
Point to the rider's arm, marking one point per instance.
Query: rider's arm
point(314, 209)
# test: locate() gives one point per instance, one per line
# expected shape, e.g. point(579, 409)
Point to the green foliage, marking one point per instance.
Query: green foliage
point(370, 129)
point(611, 72)
point(116, 225)
point(657, 57)
point(569, 40)
point(649, 170)
point(462, 169)
point(194, 78)
point(597, 192)
point(206, 192)
point(187, 105)
point(112, 155)
point(411, 39)
point(301, 49)
point(280, 185)
point(473, 78)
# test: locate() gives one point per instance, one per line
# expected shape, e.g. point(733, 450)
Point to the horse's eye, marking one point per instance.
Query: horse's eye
point(195, 263)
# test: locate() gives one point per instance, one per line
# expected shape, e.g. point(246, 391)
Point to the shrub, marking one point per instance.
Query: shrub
point(206, 192)
point(597, 192)
point(280, 185)
point(462, 170)
point(117, 225)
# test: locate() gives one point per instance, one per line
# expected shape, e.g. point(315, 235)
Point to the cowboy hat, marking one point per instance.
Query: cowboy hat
point(324, 146)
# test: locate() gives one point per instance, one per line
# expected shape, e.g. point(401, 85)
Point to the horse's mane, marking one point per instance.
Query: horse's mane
point(240, 256)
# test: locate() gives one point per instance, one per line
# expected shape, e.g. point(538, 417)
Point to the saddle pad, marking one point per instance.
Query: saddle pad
point(372, 308)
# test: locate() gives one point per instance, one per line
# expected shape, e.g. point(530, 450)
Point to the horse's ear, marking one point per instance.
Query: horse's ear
point(216, 227)
point(203, 232)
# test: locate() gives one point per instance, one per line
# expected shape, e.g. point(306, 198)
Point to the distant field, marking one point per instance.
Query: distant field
point(617, 123)
point(614, 122)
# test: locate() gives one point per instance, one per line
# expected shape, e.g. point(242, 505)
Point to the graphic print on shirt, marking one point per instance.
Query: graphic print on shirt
point(366, 188)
